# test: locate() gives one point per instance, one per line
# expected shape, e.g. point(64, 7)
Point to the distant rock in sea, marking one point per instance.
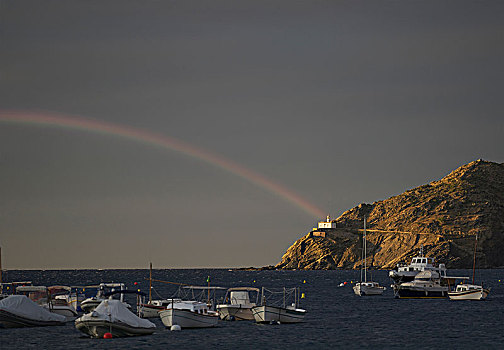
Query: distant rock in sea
point(444, 216)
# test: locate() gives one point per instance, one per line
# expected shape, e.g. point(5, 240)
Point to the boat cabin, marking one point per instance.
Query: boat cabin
point(193, 306)
point(467, 287)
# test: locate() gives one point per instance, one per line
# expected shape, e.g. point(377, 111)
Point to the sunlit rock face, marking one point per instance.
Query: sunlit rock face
point(443, 216)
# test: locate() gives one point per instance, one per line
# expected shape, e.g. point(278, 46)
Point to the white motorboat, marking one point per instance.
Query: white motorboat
point(277, 310)
point(275, 314)
point(368, 288)
point(365, 287)
point(406, 273)
point(238, 306)
point(58, 303)
point(91, 303)
point(20, 311)
point(189, 314)
point(466, 291)
point(112, 316)
point(427, 284)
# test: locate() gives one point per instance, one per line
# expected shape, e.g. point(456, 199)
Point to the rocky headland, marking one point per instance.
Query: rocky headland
point(443, 216)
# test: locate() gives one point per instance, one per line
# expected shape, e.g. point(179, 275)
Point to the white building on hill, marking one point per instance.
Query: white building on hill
point(327, 224)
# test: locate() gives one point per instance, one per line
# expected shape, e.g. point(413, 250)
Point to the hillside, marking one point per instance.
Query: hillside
point(444, 216)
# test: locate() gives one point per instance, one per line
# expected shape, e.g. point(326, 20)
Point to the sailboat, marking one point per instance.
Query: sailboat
point(466, 291)
point(365, 287)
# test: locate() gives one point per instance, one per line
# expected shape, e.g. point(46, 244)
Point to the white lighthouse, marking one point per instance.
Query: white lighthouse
point(328, 223)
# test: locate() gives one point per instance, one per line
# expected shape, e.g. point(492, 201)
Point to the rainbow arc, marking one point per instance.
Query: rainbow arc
point(159, 140)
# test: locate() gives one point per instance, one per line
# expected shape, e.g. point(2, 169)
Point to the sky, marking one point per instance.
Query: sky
point(336, 103)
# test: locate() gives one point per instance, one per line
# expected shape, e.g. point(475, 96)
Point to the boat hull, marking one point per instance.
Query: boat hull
point(420, 293)
point(236, 312)
point(98, 328)
point(151, 311)
point(187, 319)
point(269, 314)
point(469, 295)
point(10, 320)
point(66, 311)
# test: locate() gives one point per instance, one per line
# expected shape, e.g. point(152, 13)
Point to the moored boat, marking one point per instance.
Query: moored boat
point(91, 303)
point(20, 311)
point(112, 316)
point(365, 287)
point(427, 284)
point(47, 298)
point(189, 314)
point(406, 273)
point(276, 309)
point(273, 314)
point(466, 291)
point(238, 305)
point(368, 288)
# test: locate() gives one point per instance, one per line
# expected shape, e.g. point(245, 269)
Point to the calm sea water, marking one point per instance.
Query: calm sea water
point(336, 317)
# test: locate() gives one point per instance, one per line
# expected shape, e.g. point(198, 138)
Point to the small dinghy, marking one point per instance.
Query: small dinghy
point(20, 311)
point(111, 316)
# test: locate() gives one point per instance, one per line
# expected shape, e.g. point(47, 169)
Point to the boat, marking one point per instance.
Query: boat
point(44, 297)
point(112, 316)
point(427, 284)
point(20, 311)
point(407, 273)
point(89, 304)
point(58, 302)
point(275, 310)
point(365, 287)
point(77, 295)
point(195, 309)
point(189, 314)
point(238, 306)
point(466, 291)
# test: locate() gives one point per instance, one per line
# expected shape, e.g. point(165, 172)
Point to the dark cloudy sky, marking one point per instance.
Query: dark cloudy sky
point(343, 102)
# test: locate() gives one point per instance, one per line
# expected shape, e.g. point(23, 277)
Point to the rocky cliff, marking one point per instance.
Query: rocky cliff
point(444, 216)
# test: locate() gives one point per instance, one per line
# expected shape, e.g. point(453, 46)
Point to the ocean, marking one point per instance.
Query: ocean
point(336, 318)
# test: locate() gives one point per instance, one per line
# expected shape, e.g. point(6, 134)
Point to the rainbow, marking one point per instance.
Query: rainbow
point(155, 139)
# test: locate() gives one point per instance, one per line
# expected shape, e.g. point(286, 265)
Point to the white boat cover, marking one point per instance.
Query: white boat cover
point(114, 311)
point(21, 305)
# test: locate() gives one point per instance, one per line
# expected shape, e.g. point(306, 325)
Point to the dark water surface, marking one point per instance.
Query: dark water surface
point(336, 317)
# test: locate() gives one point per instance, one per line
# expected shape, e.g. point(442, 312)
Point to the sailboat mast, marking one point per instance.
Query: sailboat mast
point(150, 282)
point(365, 253)
point(474, 257)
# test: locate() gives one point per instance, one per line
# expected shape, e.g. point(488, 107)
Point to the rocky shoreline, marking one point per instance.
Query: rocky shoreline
point(443, 216)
